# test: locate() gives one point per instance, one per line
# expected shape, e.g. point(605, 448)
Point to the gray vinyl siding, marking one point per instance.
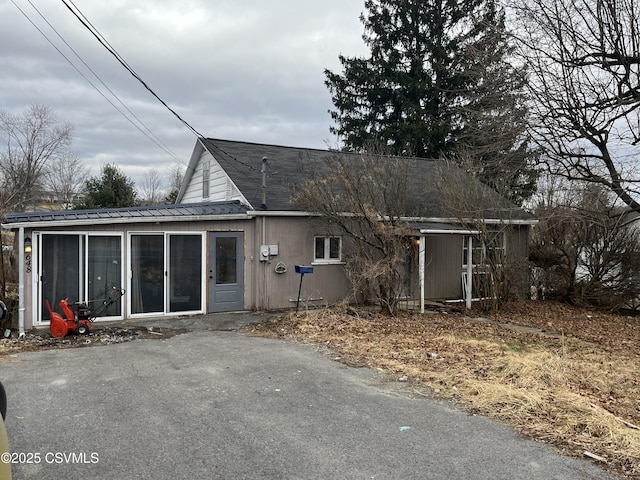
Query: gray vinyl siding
point(518, 242)
point(444, 263)
point(294, 236)
point(518, 255)
point(443, 270)
point(263, 287)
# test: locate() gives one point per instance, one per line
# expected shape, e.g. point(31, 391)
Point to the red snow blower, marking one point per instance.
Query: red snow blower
point(81, 322)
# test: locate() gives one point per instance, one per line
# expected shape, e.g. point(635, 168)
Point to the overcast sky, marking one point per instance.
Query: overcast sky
point(245, 70)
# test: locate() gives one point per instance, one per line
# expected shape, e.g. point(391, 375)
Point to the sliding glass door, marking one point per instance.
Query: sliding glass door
point(80, 267)
point(104, 269)
point(147, 273)
point(185, 273)
point(166, 273)
point(61, 272)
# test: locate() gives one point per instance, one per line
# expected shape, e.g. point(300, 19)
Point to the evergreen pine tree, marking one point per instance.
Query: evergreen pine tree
point(112, 189)
point(437, 83)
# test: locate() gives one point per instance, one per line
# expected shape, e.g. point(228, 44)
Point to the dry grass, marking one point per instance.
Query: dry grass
point(575, 385)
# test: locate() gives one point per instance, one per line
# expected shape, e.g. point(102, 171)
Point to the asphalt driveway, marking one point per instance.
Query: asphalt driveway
point(222, 405)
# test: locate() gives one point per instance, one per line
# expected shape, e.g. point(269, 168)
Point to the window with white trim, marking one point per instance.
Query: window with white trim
point(327, 249)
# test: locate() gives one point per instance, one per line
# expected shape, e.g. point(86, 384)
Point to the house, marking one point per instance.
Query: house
point(231, 242)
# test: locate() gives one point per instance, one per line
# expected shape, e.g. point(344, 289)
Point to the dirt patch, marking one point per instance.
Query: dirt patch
point(97, 336)
point(562, 375)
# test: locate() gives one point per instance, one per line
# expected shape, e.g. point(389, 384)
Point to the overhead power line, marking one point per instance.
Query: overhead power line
point(148, 133)
point(105, 43)
point(80, 16)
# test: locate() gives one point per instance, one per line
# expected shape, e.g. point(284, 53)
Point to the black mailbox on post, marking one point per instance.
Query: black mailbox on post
point(301, 269)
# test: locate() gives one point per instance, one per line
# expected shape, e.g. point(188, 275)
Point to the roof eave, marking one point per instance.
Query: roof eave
point(125, 220)
point(449, 220)
point(471, 221)
point(440, 231)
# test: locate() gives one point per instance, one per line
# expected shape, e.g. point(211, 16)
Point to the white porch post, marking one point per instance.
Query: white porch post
point(21, 304)
point(469, 271)
point(421, 256)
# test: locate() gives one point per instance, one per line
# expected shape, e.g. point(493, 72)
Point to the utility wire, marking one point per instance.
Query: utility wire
point(87, 24)
point(78, 14)
point(105, 43)
point(159, 144)
point(95, 31)
point(157, 141)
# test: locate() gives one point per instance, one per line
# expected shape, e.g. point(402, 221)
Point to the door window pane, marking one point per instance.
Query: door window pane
point(104, 272)
point(185, 272)
point(226, 260)
point(147, 281)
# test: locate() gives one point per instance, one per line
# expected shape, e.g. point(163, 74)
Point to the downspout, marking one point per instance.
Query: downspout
point(421, 255)
point(21, 306)
point(469, 272)
point(263, 300)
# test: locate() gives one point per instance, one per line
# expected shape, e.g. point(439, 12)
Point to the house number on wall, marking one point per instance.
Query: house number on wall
point(27, 259)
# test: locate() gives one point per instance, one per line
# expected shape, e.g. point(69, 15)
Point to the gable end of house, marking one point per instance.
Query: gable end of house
point(206, 181)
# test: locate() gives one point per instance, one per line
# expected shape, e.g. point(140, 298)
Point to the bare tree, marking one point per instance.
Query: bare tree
point(32, 140)
point(65, 178)
point(555, 251)
point(587, 247)
point(363, 198)
point(499, 274)
point(151, 187)
point(584, 71)
point(176, 176)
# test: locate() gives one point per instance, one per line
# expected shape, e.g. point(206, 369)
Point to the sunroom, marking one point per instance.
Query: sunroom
point(158, 255)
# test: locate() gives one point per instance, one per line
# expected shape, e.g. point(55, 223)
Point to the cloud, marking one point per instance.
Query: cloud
point(249, 70)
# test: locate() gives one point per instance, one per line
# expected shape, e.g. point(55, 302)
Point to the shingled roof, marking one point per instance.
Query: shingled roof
point(289, 167)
